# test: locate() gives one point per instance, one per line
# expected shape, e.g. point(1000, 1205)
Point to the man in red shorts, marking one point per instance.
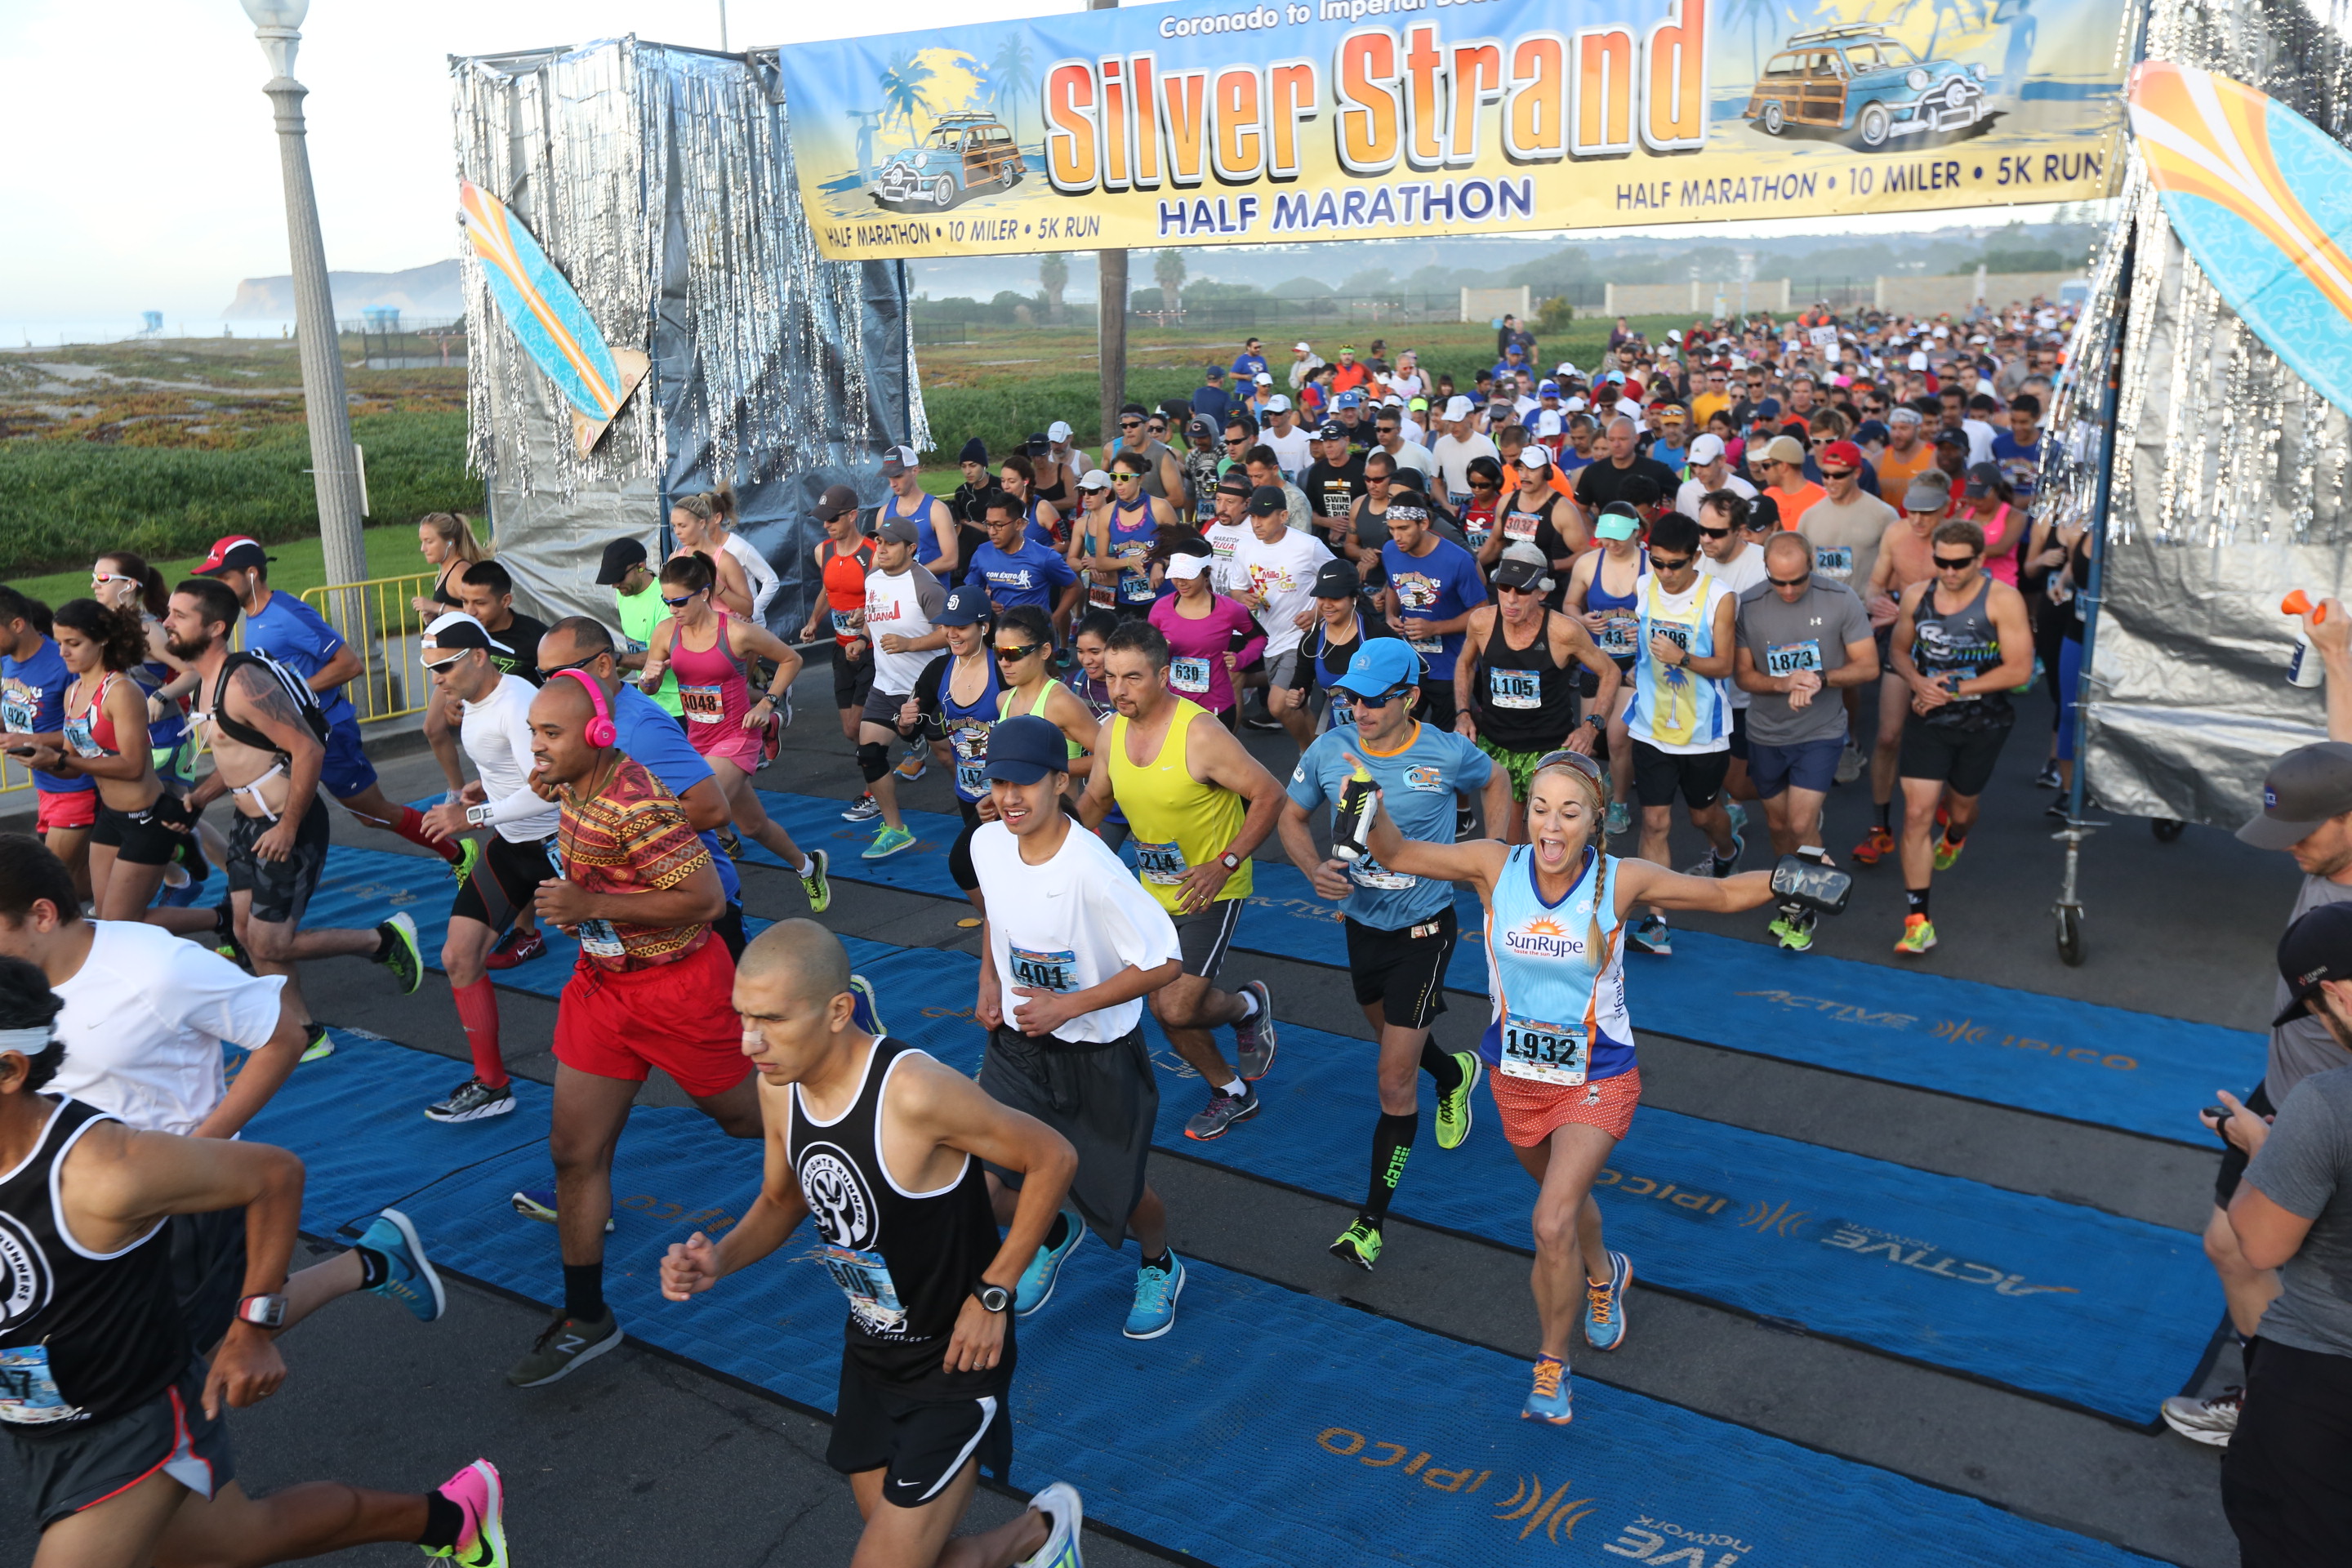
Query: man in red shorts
point(652, 990)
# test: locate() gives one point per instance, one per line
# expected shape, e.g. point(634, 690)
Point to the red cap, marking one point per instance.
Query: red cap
point(234, 549)
point(1842, 454)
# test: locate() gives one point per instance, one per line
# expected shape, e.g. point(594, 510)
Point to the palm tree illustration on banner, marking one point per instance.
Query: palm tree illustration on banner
point(1758, 17)
point(1012, 74)
point(902, 82)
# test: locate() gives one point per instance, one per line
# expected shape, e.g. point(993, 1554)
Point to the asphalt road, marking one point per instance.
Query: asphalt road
point(639, 1458)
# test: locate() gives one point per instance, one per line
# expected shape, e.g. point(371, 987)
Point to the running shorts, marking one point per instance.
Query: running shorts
point(1961, 759)
point(679, 1017)
point(347, 770)
point(853, 678)
point(1532, 1113)
point(504, 877)
point(1403, 971)
point(1659, 776)
point(1808, 764)
point(2234, 1158)
point(1204, 937)
point(920, 1445)
point(149, 837)
point(960, 852)
point(281, 889)
point(64, 808)
point(1281, 670)
point(882, 708)
point(1739, 733)
point(62, 1475)
point(1436, 705)
point(1520, 765)
point(1103, 1098)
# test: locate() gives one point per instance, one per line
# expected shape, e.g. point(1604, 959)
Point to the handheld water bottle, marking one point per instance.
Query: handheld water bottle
point(2303, 668)
point(1351, 819)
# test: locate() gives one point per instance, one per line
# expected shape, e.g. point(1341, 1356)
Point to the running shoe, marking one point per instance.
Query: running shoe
point(1036, 1285)
point(1712, 865)
point(2056, 809)
point(175, 875)
point(472, 1101)
point(1793, 930)
point(1066, 1516)
point(538, 1203)
point(1254, 1036)
point(1156, 1289)
point(1738, 815)
point(1453, 1107)
point(915, 763)
point(1653, 935)
point(888, 842)
point(408, 1279)
point(1359, 1244)
point(1620, 820)
point(771, 735)
point(2048, 777)
point(819, 891)
point(319, 1047)
point(517, 947)
point(1918, 935)
point(1875, 849)
point(864, 808)
point(1551, 1400)
point(1222, 1112)
point(469, 854)
point(401, 953)
point(732, 842)
point(481, 1498)
point(2212, 1422)
point(1259, 719)
point(563, 1346)
point(1465, 825)
point(1850, 763)
point(864, 1010)
point(1947, 852)
point(1604, 1309)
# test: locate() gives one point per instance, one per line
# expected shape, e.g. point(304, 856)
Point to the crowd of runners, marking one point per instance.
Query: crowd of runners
point(1499, 627)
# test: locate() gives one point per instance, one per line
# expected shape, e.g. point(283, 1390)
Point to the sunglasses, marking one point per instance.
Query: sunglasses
point(575, 664)
point(1127, 478)
point(1236, 440)
point(1393, 694)
point(1130, 423)
point(675, 603)
point(1944, 565)
point(1834, 473)
point(1788, 582)
point(1662, 565)
point(1530, 591)
point(1714, 532)
point(1016, 653)
point(101, 579)
point(437, 666)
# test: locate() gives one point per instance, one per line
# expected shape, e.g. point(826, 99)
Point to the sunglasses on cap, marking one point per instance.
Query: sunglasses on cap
point(1016, 653)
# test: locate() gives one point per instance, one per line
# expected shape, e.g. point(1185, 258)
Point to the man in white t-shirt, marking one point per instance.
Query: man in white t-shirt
point(1228, 527)
point(145, 1017)
point(1709, 472)
point(1073, 944)
point(497, 882)
point(1454, 450)
point(1293, 448)
point(902, 599)
point(1393, 433)
point(1274, 575)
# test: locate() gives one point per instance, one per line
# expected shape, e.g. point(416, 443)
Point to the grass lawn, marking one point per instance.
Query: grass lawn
point(298, 563)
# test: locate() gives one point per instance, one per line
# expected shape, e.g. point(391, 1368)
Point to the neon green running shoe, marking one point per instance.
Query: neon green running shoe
point(815, 884)
point(401, 954)
point(1359, 1244)
point(1794, 932)
point(1918, 937)
point(318, 1047)
point(1454, 1110)
point(470, 851)
point(1947, 851)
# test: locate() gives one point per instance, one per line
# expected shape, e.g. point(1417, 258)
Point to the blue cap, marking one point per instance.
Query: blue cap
point(1024, 750)
point(1380, 667)
point(1352, 398)
point(967, 605)
point(1549, 389)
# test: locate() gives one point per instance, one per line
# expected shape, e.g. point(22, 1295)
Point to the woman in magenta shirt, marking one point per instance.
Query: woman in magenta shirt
point(1209, 635)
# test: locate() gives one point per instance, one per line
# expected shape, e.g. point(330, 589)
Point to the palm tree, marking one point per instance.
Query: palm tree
point(902, 82)
point(1012, 74)
point(1759, 16)
point(1167, 271)
point(1053, 277)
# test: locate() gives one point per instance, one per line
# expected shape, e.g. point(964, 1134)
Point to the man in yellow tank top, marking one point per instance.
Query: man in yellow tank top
point(1199, 807)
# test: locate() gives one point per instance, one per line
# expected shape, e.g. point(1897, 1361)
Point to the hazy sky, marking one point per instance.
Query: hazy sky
point(146, 172)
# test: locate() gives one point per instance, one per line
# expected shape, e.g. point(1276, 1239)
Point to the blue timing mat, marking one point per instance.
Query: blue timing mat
point(2055, 1299)
point(1285, 1453)
point(2137, 1071)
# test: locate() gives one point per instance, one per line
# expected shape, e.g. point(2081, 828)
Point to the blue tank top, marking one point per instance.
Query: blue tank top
point(1133, 542)
point(165, 733)
point(1616, 638)
point(967, 730)
point(1560, 1017)
point(927, 538)
point(1037, 529)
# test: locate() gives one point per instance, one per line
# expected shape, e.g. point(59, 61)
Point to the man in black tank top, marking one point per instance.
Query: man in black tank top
point(901, 1208)
point(111, 1418)
point(1517, 703)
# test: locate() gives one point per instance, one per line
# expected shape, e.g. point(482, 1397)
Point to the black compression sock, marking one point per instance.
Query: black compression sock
point(1061, 1231)
point(374, 1267)
point(583, 1291)
point(1914, 901)
point(1161, 1262)
point(1879, 808)
point(443, 1522)
point(1393, 1139)
point(1440, 1065)
point(382, 944)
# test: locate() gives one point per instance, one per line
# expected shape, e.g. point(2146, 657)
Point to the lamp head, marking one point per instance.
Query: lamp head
point(275, 22)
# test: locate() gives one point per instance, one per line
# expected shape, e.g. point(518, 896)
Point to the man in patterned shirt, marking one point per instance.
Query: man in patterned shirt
point(652, 989)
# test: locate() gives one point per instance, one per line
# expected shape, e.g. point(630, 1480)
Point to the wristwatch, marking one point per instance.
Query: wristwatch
point(993, 1298)
point(1594, 720)
point(264, 1311)
point(1230, 861)
point(479, 815)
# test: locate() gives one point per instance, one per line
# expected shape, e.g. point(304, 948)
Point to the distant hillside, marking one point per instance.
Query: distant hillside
point(427, 292)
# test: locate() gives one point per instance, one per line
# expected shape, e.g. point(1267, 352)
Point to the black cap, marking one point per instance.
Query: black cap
point(837, 499)
point(1521, 575)
point(458, 632)
point(1337, 580)
point(1025, 749)
point(2316, 949)
point(1951, 438)
point(1199, 426)
point(1268, 499)
point(619, 556)
point(1331, 430)
point(1038, 445)
point(2302, 790)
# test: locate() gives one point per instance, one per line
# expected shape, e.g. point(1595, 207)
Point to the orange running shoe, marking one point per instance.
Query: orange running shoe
point(1875, 849)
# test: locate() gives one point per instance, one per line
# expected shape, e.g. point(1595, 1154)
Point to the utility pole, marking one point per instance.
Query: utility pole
point(1111, 329)
point(334, 467)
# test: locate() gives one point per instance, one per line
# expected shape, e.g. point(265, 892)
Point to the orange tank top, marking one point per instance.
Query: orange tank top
point(845, 587)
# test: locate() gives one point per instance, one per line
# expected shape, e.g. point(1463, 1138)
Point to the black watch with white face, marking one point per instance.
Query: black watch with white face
point(995, 1298)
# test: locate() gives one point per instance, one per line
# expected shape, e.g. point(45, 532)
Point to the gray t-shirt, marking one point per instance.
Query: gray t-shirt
point(2304, 1047)
point(2306, 1168)
point(1846, 538)
point(1810, 634)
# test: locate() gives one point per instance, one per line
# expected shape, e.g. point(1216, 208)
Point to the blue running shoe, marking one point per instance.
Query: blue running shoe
point(538, 1203)
point(1036, 1285)
point(1738, 815)
point(1156, 1290)
point(1604, 1318)
point(408, 1278)
point(865, 1011)
point(1550, 1400)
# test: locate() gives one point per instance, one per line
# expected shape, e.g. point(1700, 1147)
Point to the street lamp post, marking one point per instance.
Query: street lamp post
point(334, 467)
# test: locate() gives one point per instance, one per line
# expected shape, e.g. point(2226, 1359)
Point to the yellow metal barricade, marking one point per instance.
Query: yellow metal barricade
point(380, 620)
point(14, 774)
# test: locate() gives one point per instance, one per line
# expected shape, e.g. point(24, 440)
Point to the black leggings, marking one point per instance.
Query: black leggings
point(960, 853)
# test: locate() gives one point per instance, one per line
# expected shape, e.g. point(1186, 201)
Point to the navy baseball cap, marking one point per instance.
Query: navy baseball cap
point(1024, 750)
point(1380, 667)
point(967, 605)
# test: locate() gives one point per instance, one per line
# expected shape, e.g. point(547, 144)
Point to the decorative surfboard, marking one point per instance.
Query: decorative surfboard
point(548, 318)
point(2262, 199)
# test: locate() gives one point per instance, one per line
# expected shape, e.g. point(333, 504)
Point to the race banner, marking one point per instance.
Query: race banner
point(1289, 121)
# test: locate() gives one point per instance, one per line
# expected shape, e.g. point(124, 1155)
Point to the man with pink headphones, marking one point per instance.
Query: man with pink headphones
point(652, 988)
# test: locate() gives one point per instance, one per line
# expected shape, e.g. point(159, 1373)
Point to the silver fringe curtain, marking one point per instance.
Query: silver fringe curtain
point(2229, 484)
point(660, 181)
